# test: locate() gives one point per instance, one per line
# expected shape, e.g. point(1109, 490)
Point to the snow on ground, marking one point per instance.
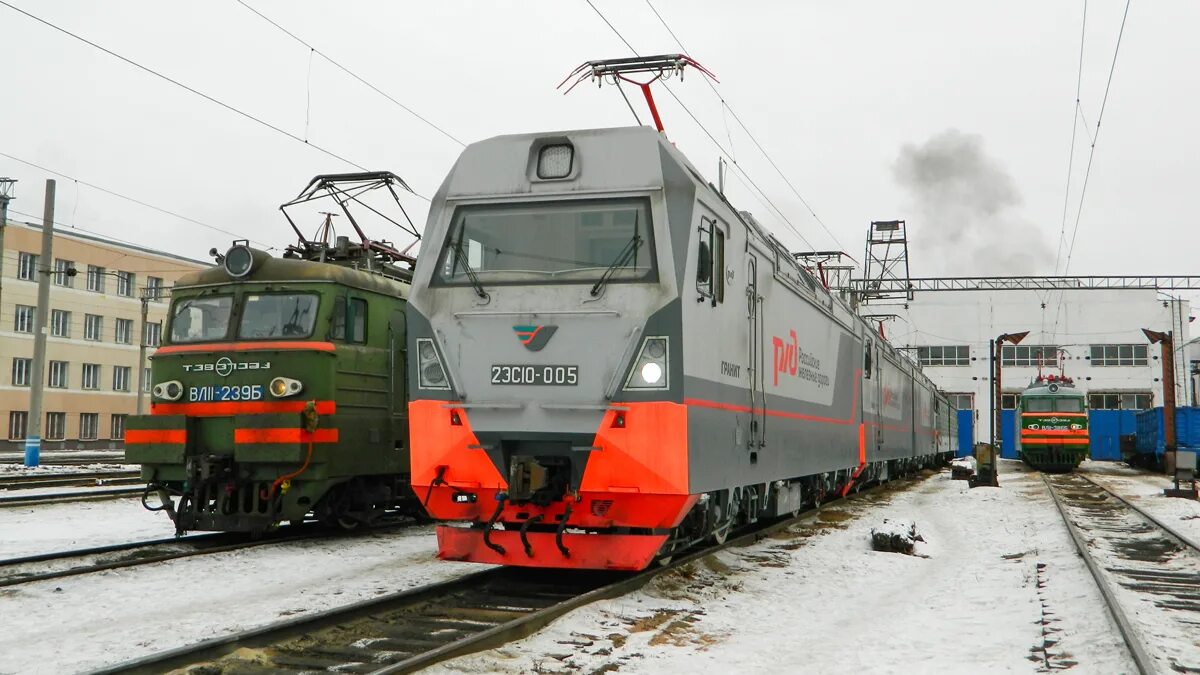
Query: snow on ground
point(84, 622)
point(1145, 490)
point(52, 469)
point(995, 587)
point(26, 530)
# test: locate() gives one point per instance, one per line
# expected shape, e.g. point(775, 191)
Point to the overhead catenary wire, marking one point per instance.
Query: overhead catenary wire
point(134, 200)
point(738, 168)
point(1076, 114)
point(190, 89)
point(726, 107)
point(351, 73)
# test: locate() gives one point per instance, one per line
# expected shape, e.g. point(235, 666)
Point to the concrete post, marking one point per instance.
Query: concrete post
point(33, 433)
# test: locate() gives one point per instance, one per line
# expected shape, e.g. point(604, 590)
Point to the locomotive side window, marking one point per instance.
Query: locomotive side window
point(278, 316)
point(868, 359)
point(355, 316)
point(710, 262)
point(718, 272)
point(199, 319)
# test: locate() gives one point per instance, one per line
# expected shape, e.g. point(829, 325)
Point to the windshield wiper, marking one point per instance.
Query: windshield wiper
point(622, 260)
point(460, 256)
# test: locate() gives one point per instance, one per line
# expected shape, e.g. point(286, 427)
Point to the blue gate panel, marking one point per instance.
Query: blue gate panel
point(966, 433)
point(1008, 446)
point(1105, 428)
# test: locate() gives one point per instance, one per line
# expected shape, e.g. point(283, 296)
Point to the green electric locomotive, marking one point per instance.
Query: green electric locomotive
point(279, 391)
point(1053, 425)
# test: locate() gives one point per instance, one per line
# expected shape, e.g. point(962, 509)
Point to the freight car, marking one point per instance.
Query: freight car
point(611, 363)
point(1053, 424)
point(279, 391)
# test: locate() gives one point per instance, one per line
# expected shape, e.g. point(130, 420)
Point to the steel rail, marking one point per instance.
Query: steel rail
point(1133, 643)
point(59, 497)
point(31, 481)
point(597, 586)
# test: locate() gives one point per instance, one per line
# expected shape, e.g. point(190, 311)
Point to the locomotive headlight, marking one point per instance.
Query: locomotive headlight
point(168, 391)
point(431, 372)
point(650, 368)
point(282, 387)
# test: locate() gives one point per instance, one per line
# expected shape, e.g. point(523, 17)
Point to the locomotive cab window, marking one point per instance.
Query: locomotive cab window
point(1071, 404)
point(290, 315)
point(1039, 405)
point(562, 242)
point(202, 318)
point(710, 262)
point(352, 314)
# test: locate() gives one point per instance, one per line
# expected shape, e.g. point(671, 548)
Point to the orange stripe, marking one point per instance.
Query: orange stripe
point(1054, 441)
point(287, 435)
point(862, 444)
point(1053, 414)
point(144, 436)
point(227, 408)
point(213, 347)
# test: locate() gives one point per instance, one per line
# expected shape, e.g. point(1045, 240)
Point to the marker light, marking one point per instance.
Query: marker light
point(554, 161)
point(431, 373)
point(169, 391)
point(282, 387)
point(652, 373)
point(650, 368)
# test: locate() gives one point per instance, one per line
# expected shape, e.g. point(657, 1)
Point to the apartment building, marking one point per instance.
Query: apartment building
point(93, 333)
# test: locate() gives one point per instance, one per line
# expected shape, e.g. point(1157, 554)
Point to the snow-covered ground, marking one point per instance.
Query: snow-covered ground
point(995, 587)
point(84, 622)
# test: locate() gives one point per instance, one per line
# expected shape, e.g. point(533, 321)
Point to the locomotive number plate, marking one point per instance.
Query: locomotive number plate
point(245, 392)
point(535, 375)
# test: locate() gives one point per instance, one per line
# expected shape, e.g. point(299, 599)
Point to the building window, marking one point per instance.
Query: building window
point(942, 355)
point(962, 401)
point(24, 319)
point(124, 331)
point(27, 266)
point(121, 378)
point(1029, 355)
point(62, 273)
point(91, 376)
point(146, 380)
point(56, 426)
point(1120, 400)
point(60, 323)
point(93, 326)
point(18, 421)
point(117, 427)
point(1119, 355)
point(125, 284)
point(95, 279)
point(154, 288)
point(89, 426)
point(20, 371)
point(153, 332)
point(1008, 401)
point(58, 374)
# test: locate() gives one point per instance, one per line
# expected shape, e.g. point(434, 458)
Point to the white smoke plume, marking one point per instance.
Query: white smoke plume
point(964, 219)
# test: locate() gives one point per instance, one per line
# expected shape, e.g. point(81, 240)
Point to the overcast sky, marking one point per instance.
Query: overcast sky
point(955, 116)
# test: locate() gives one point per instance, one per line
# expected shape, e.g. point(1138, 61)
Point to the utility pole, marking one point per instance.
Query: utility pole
point(141, 394)
point(6, 188)
point(33, 433)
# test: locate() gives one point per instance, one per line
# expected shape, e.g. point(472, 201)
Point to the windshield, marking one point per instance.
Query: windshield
point(203, 318)
point(278, 316)
point(552, 242)
point(1038, 405)
point(1073, 404)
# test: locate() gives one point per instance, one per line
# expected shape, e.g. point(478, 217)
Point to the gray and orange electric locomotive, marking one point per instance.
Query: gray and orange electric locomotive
point(610, 363)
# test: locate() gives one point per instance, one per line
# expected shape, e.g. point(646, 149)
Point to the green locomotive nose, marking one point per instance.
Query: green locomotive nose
point(279, 394)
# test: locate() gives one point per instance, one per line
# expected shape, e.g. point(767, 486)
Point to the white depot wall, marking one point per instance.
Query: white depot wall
point(1072, 320)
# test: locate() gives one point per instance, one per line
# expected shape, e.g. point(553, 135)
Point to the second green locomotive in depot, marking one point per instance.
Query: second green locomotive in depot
point(1053, 423)
point(279, 392)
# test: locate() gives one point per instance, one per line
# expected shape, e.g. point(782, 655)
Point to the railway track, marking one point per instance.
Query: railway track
point(406, 631)
point(1148, 573)
point(74, 496)
point(60, 564)
point(83, 478)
